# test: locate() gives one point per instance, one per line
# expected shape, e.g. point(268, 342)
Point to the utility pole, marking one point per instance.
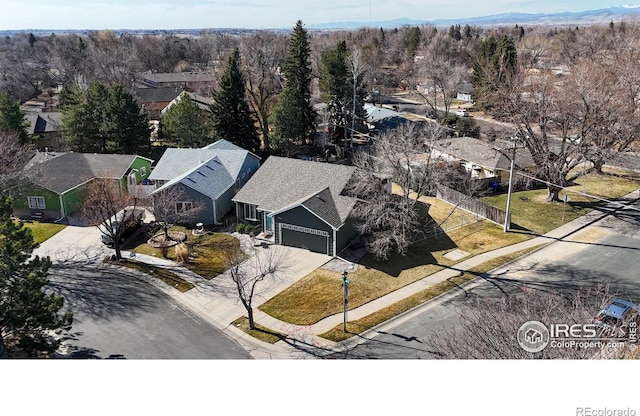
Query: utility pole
point(507, 219)
point(345, 300)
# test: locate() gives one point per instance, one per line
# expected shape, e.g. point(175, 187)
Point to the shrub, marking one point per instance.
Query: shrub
point(248, 228)
point(240, 228)
point(182, 253)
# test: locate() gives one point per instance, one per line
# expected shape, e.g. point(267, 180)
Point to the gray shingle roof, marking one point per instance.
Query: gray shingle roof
point(177, 161)
point(69, 170)
point(202, 102)
point(210, 178)
point(484, 154)
point(44, 122)
point(334, 209)
point(157, 95)
point(281, 182)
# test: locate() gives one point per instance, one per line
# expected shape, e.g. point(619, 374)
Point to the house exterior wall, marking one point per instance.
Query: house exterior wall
point(51, 199)
point(136, 166)
point(345, 234)
point(301, 217)
point(249, 167)
point(205, 215)
point(224, 204)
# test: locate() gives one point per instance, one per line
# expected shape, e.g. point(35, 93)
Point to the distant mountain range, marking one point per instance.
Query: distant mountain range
point(588, 17)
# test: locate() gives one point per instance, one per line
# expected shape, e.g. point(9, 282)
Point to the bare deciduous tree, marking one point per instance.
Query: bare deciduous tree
point(440, 78)
point(488, 328)
point(13, 157)
point(252, 273)
point(263, 54)
point(170, 207)
point(404, 157)
point(103, 199)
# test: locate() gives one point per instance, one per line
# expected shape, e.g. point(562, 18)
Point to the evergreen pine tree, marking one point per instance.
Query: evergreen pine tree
point(293, 117)
point(26, 311)
point(184, 124)
point(333, 88)
point(12, 117)
point(124, 124)
point(231, 116)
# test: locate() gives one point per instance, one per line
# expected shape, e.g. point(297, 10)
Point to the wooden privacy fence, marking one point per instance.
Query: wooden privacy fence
point(474, 205)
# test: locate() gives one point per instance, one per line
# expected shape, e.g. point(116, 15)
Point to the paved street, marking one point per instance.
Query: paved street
point(562, 265)
point(117, 315)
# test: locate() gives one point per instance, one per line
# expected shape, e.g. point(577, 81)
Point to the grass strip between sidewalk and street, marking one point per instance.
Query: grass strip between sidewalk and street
point(163, 274)
point(356, 327)
point(262, 333)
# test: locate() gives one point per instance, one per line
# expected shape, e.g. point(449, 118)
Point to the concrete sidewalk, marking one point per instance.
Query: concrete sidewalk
point(216, 301)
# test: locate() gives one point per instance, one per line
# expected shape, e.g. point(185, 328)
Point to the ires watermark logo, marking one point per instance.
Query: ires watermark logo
point(615, 324)
point(534, 336)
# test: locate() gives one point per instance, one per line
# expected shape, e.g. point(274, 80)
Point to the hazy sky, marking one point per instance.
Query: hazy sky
point(255, 14)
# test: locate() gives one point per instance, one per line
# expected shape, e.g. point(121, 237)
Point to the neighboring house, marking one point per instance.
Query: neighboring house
point(381, 118)
point(465, 92)
point(45, 128)
point(199, 82)
point(56, 191)
point(484, 160)
point(208, 177)
point(202, 102)
point(300, 203)
point(155, 100)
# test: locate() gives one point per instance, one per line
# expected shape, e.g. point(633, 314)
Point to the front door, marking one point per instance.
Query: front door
point(268, 223)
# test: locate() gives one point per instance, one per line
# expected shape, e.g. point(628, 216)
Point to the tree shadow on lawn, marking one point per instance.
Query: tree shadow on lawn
point(419, 254)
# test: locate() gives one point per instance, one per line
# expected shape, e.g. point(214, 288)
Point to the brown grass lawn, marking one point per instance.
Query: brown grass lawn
point(205, 252)
point(166, 276)
point(319, 294)
point(355, 327)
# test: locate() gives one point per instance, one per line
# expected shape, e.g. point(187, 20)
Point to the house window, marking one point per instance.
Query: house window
point(183, 207)
point(143, 171)
point(36, 202)
point(250, 212)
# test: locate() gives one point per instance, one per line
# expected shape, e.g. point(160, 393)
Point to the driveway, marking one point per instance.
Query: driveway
point(81, 244)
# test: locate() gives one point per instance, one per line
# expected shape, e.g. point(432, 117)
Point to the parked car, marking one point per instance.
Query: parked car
point(129, 218)
point(462, 113)
point(616, 315)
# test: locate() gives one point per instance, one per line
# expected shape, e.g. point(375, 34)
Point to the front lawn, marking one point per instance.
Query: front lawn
point(319, 294)
point(530, 212)
point(42, 231)
point(356, 327)
point(205, 252)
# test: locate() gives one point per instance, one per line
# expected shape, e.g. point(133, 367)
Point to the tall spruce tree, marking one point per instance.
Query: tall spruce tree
point(293, 117)
point(104, 120)
point(12, 117)
point(231, 116)
point(493, 67)
point(26, 310)
point(333, 89)
point(124, 124)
